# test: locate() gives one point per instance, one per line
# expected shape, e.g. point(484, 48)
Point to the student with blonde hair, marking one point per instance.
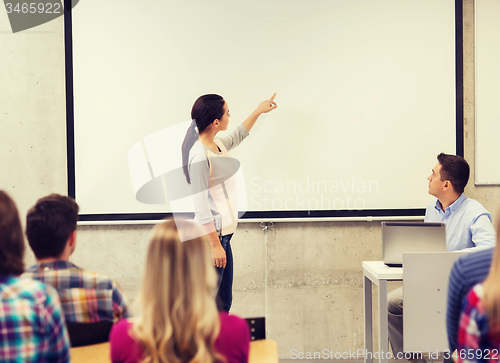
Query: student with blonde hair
point(179, 321)
point(479, 329)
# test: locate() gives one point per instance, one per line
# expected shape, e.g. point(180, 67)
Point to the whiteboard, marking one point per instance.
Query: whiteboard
point(365, 92)
point(487, 47)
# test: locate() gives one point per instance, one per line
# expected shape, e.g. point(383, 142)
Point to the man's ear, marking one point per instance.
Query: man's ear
point(72, 241)
point(447, 185)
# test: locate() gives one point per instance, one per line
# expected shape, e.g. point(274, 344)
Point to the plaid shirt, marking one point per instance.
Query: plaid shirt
point(32, 327)
point(86, 296)
point(476, 341)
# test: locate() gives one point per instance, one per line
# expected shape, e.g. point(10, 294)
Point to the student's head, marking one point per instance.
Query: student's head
point(177, 299)
point(49, 225)
point(11, 238)
point(451, 173)
point(205, 111)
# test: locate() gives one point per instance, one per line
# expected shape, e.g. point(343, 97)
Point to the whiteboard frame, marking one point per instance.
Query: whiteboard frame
point(283, 216)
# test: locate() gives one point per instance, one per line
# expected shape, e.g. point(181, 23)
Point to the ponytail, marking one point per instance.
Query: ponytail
point(206, 109)
point(187, 144)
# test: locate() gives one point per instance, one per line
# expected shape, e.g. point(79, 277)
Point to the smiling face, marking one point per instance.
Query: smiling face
point(436, 185)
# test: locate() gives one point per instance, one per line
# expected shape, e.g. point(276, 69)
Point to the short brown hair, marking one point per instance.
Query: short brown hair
point(11, 237)
point(455, 169)
point(49, 224)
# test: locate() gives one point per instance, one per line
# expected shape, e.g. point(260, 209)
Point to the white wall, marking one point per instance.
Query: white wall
point(313, 270)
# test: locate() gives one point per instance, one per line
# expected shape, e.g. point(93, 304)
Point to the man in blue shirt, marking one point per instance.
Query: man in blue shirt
point(468, 226)
point(468, 223)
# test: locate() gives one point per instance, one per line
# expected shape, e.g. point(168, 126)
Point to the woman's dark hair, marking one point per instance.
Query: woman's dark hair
point(206, 109)
point(11, 238)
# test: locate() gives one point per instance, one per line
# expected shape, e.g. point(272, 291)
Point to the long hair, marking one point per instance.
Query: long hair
point(11, 237)
point(491, 286)
point(206, 109)
point(179, 320)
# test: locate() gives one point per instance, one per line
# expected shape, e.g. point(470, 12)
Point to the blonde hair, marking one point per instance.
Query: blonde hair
point(491, 285)
point(179, 321)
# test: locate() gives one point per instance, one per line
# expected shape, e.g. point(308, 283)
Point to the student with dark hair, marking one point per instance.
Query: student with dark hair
point(49, 224)
point(31, 319)
point(86, 296)
point(204, 160)
point(455, 169)
point(468, 226)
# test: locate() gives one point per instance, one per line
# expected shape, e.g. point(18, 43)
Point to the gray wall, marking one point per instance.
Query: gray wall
point(306, 277)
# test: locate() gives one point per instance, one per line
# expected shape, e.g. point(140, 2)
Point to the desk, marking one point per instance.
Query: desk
point(376, 272)
point(261, 351)
point(97, 353)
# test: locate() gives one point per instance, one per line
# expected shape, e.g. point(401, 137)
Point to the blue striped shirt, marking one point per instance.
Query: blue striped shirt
point(468, 223)
point(466, 272)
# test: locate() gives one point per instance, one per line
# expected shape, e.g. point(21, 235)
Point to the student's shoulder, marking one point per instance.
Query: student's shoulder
point(197, 149)
point(197, 153)
point(121, 329)
point(226, 318)
point(476, 259)
point(92, 280)
point(99, 277)
point(472, 267)
point(27, 289)
point(233, 323)
point(473, 208)
point(123, 346)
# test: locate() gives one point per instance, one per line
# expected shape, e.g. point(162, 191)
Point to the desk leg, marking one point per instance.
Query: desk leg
point(367, 295)
point(383, 321)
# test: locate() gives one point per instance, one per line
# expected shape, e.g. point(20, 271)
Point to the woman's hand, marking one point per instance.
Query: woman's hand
point(218, 255)
point(264, 107)
point(267, 105)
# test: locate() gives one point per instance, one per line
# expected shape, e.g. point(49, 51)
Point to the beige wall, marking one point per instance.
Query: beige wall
point(306, 277)
point(489, 196)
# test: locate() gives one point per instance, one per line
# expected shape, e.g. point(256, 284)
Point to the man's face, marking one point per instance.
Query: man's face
point(435, 183)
